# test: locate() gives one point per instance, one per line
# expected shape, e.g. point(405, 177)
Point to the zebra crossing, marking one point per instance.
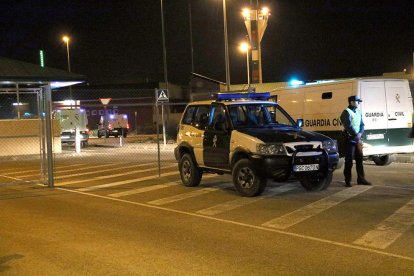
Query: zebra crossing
point(132, 182)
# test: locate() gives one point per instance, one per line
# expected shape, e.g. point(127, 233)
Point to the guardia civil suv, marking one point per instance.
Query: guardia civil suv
point(253, 139)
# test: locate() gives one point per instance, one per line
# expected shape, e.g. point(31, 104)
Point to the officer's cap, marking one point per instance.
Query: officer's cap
point(354, 99)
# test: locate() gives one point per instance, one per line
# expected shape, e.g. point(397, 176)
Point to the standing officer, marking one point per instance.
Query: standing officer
point(351, 119)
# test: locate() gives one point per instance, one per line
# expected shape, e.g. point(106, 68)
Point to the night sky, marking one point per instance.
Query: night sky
point(121, 41)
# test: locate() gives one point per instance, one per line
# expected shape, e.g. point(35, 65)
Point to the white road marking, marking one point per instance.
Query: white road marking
point(315, 208)
point(113, 184)
point(72, 170)
point(38, 169)
point(132, 172)
point(191, 194)
point(115, 168)
point(110, 175)
point(151, 188)
point(389, 229)
point(250, 226)
point(231, 205)
point(145, 189)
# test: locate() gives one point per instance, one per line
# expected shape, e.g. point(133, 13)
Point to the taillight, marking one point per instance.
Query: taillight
point(127, 125)
point(110, 126)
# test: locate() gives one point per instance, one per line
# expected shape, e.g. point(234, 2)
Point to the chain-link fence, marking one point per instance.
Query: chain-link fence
point(91, 140)
point(22, 135)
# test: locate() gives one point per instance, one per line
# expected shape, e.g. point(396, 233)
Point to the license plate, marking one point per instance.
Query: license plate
point(305, 168)
point(375, 136)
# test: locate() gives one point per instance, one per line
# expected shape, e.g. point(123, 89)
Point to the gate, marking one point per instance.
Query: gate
point(23, 136)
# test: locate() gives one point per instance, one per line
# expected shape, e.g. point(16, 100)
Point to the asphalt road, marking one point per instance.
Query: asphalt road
point(115, 216)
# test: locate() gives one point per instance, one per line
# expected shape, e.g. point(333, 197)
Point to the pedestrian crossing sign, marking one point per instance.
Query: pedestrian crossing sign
point(162, 95)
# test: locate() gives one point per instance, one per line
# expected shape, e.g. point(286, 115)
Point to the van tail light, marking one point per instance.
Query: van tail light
point(110, 126)
point(127, 125)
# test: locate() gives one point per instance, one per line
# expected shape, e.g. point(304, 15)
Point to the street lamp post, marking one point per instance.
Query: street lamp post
point(256, 23)
point(66, 39)
point(226, 47)
point(245, 47)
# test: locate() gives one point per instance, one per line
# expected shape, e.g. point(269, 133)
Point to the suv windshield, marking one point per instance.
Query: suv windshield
point(259, 115)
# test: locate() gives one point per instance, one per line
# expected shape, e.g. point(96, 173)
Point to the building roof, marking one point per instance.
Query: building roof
point(14, 71)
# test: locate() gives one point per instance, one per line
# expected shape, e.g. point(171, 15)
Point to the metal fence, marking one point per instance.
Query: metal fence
point(23, 137)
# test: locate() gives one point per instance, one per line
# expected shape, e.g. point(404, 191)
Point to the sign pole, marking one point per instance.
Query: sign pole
point(163, 124)
point(161, 95)
point(158, 138)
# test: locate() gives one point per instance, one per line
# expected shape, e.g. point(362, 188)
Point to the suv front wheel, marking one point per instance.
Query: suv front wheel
point(190, 174)
point(247, 180)
point(316, 182)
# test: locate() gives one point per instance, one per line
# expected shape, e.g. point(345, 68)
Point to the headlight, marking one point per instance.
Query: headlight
point(270, 149)
point(330, 146)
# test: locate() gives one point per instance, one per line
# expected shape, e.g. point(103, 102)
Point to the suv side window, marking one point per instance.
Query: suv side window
point(201, 116)
point(189, 115)
point(218, 120)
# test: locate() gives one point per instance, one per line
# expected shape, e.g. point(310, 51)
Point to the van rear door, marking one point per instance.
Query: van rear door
point(386, 112)
point(374, 112)
point(398, 105)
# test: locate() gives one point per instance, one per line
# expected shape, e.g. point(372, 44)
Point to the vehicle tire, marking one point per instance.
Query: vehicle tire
point(383, 160)
point(189, 172)
point(107, 134)
point(116, 135)
point(247, 180)
point(315, 182)
point(99, 134)
point(84, 144)
point(125, 134)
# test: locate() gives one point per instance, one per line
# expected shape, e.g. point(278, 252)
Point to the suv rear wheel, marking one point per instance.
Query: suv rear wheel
point(190, 174)
point(247, 180)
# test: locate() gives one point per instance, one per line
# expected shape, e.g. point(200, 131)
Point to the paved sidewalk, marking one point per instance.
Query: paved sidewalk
point(405, 158)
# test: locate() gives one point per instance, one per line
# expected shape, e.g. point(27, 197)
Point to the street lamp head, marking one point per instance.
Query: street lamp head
point(244, 47)
point(246, 13)
point(65, 39)
point(265, 11)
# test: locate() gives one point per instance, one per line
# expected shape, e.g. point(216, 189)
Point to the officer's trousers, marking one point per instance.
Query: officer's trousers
point(353, 151)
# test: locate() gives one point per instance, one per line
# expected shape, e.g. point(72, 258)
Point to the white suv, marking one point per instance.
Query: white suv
point(251, 138)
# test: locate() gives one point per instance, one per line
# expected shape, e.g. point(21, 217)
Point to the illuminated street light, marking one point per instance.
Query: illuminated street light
point(244, 48)
point(66, 39)
point(256, 23)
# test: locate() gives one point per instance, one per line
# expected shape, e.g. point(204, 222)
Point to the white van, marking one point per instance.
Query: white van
point(387, 108)
point(70, 119)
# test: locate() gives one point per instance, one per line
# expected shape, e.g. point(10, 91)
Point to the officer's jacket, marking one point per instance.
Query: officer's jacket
point(348, 121)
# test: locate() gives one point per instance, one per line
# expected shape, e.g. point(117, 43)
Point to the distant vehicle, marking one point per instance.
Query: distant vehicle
point(70, 119)
point(386, 109)
point(113, 125)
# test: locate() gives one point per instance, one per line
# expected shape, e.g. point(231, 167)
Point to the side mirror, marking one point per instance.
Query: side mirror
point(299, 122)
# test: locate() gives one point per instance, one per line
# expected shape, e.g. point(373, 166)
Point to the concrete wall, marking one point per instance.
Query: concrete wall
point(22, 137)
